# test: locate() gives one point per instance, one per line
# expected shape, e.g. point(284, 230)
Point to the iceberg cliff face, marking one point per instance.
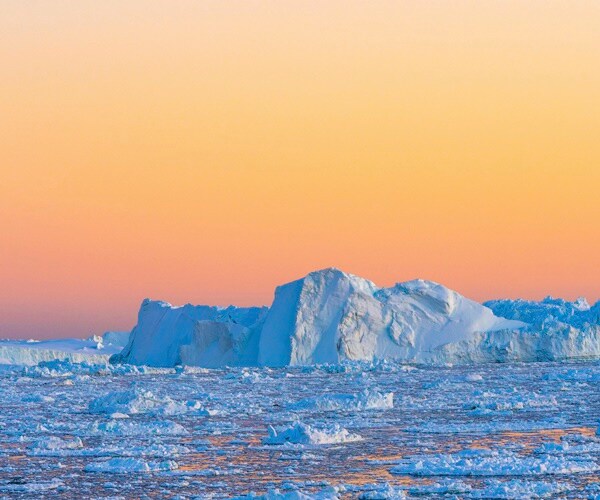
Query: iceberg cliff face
point(303, 324)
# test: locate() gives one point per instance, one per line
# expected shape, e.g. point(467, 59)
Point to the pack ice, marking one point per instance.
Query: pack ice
point(330, 316)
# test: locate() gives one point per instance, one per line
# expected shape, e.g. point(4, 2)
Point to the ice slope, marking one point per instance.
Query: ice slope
point(193, 335)
point(96, 349)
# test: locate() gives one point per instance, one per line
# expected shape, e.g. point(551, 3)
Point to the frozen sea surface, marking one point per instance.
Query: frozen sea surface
point(351, 431)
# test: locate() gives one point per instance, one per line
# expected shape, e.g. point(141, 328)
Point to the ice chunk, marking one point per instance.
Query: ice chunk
point(54, 446)
point(366, 400)
point(128, 465)
point(142, 401)
point(131, 428)
point(300, 433)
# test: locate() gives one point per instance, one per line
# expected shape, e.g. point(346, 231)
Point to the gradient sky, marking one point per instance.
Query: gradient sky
point(204, 152)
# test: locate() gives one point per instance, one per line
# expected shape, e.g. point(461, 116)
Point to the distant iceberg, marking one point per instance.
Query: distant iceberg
point(96, 349)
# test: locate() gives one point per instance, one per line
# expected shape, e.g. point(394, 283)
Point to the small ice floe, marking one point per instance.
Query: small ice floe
point(252, 377)
point(571, 445)
point(366, 400)
point(378, 491)
point(492, 488)
point(37, 398)
point(477, 462)
point(129, 465)
point(511, 488)
point(143, 401)
point(54, 446)
point(157, 451)
point(515, 488)
point(33, 487)
point(57, 368)
point(300, 433)
point(118, 415)
point(473, 377)
point(131, 428)
point(329, 493)
point(489, 402)
point(442, 488)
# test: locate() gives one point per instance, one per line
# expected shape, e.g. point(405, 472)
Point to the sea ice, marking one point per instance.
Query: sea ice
point(478, 462)
point(300, 433)
point(138, 400)
point(53, 445)
point(133, 428)
point(365, 400)
point(127, 465)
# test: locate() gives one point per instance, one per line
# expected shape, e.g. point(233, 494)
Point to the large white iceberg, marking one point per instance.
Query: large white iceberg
point(330, 316)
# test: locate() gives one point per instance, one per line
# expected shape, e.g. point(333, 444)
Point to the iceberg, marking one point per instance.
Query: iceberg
point(95, 349)
point(208, 336)
point(330, 317)
point(326, 317)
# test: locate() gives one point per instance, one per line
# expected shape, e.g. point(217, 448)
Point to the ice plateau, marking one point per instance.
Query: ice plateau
point(330, 316)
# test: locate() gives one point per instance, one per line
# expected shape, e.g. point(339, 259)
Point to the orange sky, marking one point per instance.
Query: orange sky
point(204, 152)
